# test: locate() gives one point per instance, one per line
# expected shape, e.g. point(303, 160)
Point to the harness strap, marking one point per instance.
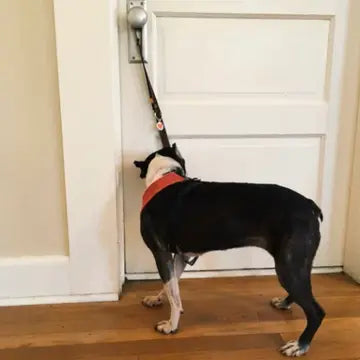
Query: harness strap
point(192, 261)
point(152, 97)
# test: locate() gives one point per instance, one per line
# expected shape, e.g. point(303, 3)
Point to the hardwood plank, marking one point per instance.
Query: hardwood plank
point(111, 336)
point(153, 347)
point(224, 319)
point(253, 354)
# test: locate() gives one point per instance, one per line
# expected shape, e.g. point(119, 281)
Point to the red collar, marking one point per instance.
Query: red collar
point(161, 184)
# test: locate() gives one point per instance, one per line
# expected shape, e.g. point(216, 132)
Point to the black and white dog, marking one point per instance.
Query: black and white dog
point(183, 217)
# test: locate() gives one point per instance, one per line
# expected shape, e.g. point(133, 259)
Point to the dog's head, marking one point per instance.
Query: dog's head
point(171, 152)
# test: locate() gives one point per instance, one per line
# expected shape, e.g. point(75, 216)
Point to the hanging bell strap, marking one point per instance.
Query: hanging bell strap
point(160, 125)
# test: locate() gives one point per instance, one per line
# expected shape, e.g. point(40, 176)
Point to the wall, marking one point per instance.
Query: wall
point(352, 252)
point(352, 245)
point(32, 191)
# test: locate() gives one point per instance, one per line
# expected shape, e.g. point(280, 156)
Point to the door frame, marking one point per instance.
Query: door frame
point(88, 71)
point(88, 68)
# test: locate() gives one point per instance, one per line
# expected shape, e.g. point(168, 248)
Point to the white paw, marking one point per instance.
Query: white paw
point(152, 301)
point(279, 303)
point(292, 348)
point(165, 327)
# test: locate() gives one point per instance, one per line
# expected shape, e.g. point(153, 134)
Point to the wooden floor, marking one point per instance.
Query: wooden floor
point(224, 319)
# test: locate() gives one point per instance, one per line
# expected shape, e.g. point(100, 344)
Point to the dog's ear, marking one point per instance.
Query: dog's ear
point(143, 166)
point(178, 156)
point(175, 149)
point(139, 164)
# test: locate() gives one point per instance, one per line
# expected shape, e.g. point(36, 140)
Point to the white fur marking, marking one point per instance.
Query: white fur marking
point(292, 348)
point(154, 300)
point(173, 294)
point(159, 166)
point(279, 303)
point(165, 327)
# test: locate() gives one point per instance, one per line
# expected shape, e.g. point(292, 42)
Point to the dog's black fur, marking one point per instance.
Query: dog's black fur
point(196, 217)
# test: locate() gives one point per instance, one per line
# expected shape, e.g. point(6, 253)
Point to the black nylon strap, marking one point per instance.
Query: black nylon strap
point(192, 261)
point(152, 97)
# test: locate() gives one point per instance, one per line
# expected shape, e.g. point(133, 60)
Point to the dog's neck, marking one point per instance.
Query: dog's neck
point(159, 166)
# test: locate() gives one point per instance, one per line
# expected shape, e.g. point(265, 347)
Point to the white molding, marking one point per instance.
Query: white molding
point(299, 8)
point(32, 280)
point(34, 276)
point(89, 105)
point(332, 203)
point(118, 142)
point(59, 299)
point(229, 273)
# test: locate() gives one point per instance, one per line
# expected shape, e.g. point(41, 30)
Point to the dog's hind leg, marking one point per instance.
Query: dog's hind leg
point(303, 296)
point(282, 303)
point(157, 300)
point(154, 300)
point(293, 267)
point(166, 267)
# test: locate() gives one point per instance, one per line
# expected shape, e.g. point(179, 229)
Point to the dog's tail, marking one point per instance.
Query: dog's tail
point(317, 211)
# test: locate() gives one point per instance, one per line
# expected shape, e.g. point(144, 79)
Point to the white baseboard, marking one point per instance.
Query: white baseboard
point(37, 300)
point(40, 280)
point(30, 276)
point(230, 273)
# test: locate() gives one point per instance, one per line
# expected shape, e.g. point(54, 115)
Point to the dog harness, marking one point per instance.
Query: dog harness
point(160, 184)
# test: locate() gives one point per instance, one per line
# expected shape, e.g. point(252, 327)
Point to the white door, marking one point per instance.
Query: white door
point(250, 93)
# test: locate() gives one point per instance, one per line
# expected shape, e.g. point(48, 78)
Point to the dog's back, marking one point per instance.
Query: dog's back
point(197, 217)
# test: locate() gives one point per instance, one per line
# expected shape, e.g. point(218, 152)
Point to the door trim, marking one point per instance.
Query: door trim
point(88, 71)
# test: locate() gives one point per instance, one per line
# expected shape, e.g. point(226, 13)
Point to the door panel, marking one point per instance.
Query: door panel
point(292, 162)
point(249, 93)
point(242, 56)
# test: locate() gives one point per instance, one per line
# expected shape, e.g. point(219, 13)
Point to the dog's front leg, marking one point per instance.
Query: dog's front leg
point(166, 267)
point(157, 300)
point(173, 295)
